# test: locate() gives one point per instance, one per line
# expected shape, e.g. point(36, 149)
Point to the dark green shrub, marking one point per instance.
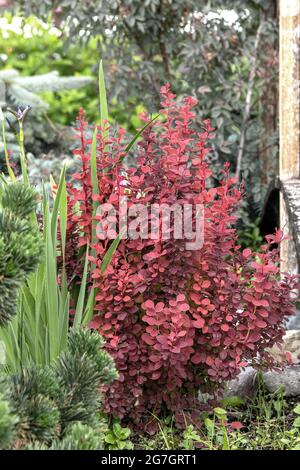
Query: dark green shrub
point(58, 407)
point(8, 422)
point(20, 244)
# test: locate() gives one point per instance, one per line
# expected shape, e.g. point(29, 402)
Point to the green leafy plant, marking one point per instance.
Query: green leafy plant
point(269, 423)
point(117, 437)
point(32, 47)
point(168, 436)
point(191, 438)
point(269, 427)
point(217, 434)
point(295, 431)
point(80, 437)
point(232, 401)
point(296, 423)
point(278, 429)
point(250, 236)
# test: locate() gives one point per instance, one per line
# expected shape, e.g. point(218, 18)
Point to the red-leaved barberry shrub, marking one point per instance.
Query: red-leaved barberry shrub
point(176, 321)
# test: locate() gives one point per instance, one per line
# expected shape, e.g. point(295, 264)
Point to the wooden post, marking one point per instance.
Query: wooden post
point(289, 118)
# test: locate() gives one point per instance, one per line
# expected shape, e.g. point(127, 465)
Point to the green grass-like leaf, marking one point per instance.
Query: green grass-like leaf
point(102, 97)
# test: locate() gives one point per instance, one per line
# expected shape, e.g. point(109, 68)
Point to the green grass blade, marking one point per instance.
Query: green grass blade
point(51, 292)
point(138, 134)
point(64, 321)
point(57, 203)
point(3, 179)
point(102, 96)
point(94, 182)
point(89, 310)
point(94, 163)
point(9, 169)
point(23, 161)
point(110, 252)
point(9, 337)
point(63, 215)
point(80, 301)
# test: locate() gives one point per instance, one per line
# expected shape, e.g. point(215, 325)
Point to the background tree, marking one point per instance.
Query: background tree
point(223, 51)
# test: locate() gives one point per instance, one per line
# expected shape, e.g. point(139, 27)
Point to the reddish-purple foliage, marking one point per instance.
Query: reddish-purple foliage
point(175, 320)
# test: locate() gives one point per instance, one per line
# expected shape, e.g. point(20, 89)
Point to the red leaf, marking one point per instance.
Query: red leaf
point(199, 323)
point(147, 338)
point(196, 358)
point(195, 298)
point(289, 357)
point(156, 375)
point(196, 287)
point(260, 302)
point(247, 252)
point(261, 324)
point(148, 304)
point(159, 307)
point(209, 361)
point(205, 284)
point(183, 307)
point(224, 327)
point(180, 298)
point(162, 340)
point(236, 425)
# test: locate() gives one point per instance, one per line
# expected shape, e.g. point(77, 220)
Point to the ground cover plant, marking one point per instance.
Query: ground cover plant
point(267, 422)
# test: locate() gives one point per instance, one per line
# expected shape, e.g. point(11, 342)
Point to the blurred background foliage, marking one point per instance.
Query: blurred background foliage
point(32, 47)
point(224, 52)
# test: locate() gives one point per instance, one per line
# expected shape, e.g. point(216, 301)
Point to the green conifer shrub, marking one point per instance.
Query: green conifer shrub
point(8, 421)
point(20, 244)
point(57, 407)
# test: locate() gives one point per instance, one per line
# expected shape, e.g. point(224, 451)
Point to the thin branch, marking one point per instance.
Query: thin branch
point(165, 59)
point(131, 33)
